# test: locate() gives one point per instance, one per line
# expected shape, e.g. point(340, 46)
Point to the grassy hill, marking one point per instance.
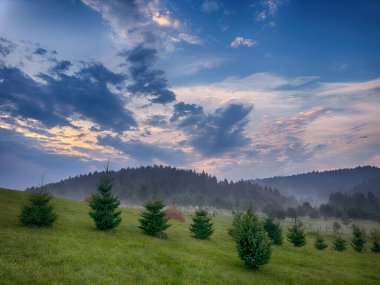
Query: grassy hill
point(73, 252)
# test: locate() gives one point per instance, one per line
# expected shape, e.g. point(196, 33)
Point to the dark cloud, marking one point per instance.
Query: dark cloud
point(85, 93)
point(213, 134)
point(40, 51)
point(146, 80)
point(157, 121)
point(6, 47)
point(143, 152)
point(61, 66)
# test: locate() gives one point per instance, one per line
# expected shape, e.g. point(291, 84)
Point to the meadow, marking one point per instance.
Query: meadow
point(74, 252)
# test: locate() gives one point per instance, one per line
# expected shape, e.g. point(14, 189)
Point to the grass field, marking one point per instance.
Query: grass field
point(73, 252)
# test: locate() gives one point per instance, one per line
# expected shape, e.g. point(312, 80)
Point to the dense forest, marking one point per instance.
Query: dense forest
point(344, 206)
point(185, 187)
point(315, 186)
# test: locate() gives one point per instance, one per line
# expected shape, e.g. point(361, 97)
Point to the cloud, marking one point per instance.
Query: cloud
point(341, 88)
point(266, 11)
point(213, 134)
point(148, 82)
point(6, 47)
point(140, 21)
point(62, 66)
point(23, 155)
point(144, 152)
point(209, 6)
point(57, 98)
point(40, 51)
point(240, 41)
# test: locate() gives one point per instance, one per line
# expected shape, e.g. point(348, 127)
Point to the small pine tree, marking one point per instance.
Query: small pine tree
point(105, 206)
point(38, 212)
point(320, 242)
point(296, 234)
point(358, 238)
point(154, 220)
point(273, 230)
point(339, 243)
point(202, 228)
point(253, 244)
point(234, 230)
point(375, 236)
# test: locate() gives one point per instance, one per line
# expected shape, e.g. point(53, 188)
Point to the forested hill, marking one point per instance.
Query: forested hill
point(185, 187)
point(314, 186)
point(371, 185)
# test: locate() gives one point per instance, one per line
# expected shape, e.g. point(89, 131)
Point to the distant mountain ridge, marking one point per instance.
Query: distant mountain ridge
point(316, 186)
point(185, 187)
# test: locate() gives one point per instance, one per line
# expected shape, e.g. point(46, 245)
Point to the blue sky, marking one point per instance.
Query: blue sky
point(240, 89)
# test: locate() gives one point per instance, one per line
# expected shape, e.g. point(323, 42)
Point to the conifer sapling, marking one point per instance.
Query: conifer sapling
point(273, 230)
point(339, 243)
point(253, 244)
point(320, 242)
point(358, 238)
point(153, 221)
point(296, 234)
point(201, 228)
point(104, 206)
point(38, 212)
point(375, 236)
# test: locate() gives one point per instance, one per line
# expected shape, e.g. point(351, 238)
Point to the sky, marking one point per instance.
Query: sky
point(239, 89)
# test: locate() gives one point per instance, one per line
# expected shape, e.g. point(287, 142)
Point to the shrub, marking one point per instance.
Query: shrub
point(358, 238)
point(88, 199)
point(153, 221)
point(202, 228)
point(253, 244)
point(339, 243)
point(320, 242)
point(38, 212)
point(273, 230)
point(296, 234)
point(174, 213)
point(104, 205)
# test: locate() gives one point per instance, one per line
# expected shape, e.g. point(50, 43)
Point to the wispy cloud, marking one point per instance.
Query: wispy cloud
point(209, 6)
point(240, 41)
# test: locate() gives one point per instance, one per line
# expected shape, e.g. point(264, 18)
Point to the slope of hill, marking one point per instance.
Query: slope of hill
point(371, 185)
point(316, 186)
point(185, 187)
point(73, 252)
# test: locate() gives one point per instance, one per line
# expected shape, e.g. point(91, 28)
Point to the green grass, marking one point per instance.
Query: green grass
point(73, 252)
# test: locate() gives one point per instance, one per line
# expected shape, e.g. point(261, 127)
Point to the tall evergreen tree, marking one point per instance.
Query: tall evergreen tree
point(38, 212)
point(104, 206)
point(273, 230)
point(358, 238)
point(296, 234)
point(154, 220)
point(253, 244)
point(320, 242)
point(201, 228)
point(339, 243)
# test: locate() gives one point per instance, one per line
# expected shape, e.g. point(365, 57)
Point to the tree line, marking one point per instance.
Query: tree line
point(344, 206)
point(185, 187)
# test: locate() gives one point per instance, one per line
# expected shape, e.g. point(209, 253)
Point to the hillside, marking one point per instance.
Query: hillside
point(316, 186)
point(185, 187)
point(73, 252)
point(371, 185)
